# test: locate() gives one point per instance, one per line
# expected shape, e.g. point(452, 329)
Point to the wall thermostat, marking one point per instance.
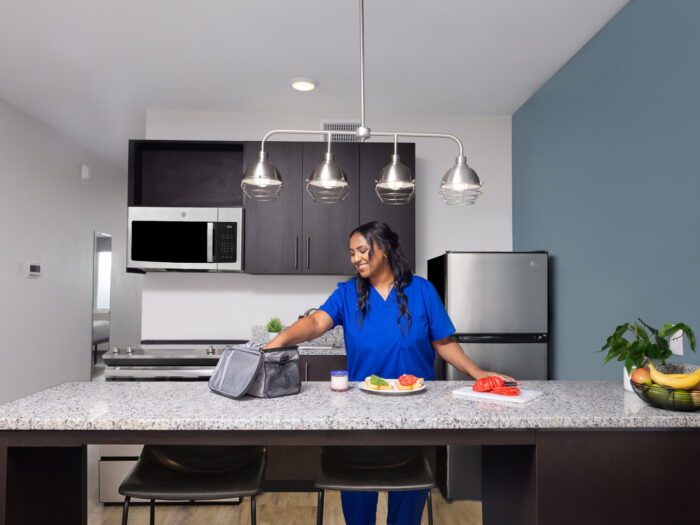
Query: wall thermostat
point(31, 269)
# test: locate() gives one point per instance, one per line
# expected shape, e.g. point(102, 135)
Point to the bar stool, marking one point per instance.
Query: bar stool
point(183, 472)
point(372, 469)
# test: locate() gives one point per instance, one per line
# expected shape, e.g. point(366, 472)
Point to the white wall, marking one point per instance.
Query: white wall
point(48, 214)
point(225, 305)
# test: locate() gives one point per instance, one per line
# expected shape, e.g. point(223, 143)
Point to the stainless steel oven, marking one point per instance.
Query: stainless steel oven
point(159, 360)
point(194, 239)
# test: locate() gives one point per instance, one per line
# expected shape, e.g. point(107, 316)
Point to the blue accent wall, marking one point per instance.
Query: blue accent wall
point(606, 177)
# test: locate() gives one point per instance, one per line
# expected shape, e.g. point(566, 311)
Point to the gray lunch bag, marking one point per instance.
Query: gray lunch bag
point(247, 369)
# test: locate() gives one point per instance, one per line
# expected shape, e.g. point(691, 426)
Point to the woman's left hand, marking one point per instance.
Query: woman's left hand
point(485, 373)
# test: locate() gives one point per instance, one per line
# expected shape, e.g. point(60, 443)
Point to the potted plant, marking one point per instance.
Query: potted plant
point(647, 343)
point(274, 327)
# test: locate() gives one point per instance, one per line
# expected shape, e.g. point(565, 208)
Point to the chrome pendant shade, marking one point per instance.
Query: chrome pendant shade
point(328, 183)
point(262, 180)
point(460, 184)
point(395, 184)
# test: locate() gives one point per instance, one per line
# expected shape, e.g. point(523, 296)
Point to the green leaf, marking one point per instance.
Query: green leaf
point(640, 332)
point(669, 329)
point(652, 330)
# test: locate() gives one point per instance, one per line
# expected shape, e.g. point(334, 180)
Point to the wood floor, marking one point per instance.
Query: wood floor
point(279, 508)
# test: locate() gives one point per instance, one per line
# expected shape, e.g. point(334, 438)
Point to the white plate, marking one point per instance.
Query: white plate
point(394, 392)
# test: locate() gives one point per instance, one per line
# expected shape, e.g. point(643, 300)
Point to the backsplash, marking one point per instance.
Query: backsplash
point(333, 337)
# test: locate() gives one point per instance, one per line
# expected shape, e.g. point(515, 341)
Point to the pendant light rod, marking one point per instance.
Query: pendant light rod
point(362, 63)
point(300, 132)
point(426, 135)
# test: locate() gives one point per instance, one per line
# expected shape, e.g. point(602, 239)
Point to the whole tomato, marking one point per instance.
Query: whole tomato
point(407, 380)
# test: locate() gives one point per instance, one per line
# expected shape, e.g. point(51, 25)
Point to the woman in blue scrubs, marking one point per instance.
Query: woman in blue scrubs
point(393, 323)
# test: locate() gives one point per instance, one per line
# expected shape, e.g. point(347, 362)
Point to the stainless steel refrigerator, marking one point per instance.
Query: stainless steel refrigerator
point(498, 302)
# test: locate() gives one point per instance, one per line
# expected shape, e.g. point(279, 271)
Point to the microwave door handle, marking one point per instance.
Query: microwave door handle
point(210, 242)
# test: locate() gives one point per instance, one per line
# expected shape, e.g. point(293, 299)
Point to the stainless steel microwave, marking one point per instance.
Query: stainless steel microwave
point(204, 239)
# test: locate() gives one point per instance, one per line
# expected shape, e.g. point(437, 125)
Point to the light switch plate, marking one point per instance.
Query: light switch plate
point(676, 343)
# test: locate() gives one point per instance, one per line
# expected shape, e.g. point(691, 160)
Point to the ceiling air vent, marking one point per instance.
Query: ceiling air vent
point(340, 125)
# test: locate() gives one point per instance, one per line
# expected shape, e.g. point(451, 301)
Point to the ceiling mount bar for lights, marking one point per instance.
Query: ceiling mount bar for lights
point(395, 183)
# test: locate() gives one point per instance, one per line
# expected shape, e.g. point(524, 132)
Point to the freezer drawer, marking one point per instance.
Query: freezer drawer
point(520, 360)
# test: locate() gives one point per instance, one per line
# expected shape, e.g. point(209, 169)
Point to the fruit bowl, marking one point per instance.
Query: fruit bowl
point(668, 398)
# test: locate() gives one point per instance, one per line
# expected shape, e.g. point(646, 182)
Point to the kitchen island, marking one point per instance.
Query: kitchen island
point(582, 452)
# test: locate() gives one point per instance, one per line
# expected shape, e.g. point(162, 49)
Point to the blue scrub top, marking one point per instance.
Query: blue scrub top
point(378, 346)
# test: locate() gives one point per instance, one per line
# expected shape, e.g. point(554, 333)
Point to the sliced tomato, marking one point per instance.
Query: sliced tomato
point(482, 385)
point(407, 380)
point(507, 391)
point(496, 382)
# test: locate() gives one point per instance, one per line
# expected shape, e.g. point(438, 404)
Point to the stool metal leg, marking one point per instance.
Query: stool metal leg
point(252, 510)
point(153, 512)
point(430, 508)
point(319, 507)
point(125, 510)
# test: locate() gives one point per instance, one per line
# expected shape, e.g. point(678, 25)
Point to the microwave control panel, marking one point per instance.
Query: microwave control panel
point(226, 241)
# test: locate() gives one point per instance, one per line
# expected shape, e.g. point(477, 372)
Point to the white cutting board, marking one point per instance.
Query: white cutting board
point(467, 393)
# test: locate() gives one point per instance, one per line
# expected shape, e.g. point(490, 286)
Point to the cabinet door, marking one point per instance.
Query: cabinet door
point(401, 218)
point(327, 226)
point(319, 367)
point(273, 242)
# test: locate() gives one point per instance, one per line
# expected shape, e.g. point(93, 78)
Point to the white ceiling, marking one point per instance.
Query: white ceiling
point(91, 68)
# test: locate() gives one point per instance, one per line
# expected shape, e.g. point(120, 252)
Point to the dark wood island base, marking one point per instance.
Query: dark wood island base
point(529, 476)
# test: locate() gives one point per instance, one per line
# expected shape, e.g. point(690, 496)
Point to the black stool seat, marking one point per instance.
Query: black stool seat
point(414, 474)
point(177, 472)
point(371, 469)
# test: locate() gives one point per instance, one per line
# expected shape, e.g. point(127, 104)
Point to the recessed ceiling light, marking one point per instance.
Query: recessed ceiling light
point(303, 84)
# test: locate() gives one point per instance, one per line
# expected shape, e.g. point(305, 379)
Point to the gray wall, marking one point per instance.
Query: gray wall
point(48, 215)
point(606, 177)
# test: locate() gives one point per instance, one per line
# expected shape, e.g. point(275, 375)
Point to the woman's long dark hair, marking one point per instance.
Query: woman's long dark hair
point(381, 235)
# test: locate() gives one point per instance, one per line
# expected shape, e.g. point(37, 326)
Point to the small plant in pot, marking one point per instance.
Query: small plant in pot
point(647, 344)
point(274, 327)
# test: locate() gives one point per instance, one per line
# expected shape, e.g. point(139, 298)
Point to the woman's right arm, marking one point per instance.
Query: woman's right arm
point(305, 329)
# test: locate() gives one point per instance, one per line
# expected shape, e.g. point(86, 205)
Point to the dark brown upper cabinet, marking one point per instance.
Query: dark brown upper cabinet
point(185, 173)
point(401, 218)
point(294, 234)
point(273, 229)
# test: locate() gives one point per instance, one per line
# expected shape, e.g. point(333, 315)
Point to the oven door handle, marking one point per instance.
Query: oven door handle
point(210, 242)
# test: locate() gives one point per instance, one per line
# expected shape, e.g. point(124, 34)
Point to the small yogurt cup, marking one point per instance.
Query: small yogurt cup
point(339, 380)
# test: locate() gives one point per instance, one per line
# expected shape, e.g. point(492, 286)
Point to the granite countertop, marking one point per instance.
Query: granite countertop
point(192, 406)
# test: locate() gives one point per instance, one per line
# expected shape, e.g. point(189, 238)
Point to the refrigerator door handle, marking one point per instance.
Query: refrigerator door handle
point(501, 338)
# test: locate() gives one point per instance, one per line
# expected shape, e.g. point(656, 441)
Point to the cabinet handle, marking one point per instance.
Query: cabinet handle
point(308, 252)
point(296, 253)
point(306, 371)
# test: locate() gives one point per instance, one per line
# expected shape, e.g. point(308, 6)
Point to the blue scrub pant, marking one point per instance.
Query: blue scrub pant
point(405, 507)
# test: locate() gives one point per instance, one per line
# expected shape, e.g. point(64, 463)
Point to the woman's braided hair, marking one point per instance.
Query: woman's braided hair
point(379, 234)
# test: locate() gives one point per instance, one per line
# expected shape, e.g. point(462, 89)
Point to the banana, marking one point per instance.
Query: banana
point(681, 381)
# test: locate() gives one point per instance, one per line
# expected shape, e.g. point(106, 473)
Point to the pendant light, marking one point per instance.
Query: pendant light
point(460, 184)
point(262, 180)
point(328, 183)
point(395, 183)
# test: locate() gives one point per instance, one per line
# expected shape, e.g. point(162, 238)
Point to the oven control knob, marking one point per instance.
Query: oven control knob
point(129, 350)
point(211, 350)
point(115, 349)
